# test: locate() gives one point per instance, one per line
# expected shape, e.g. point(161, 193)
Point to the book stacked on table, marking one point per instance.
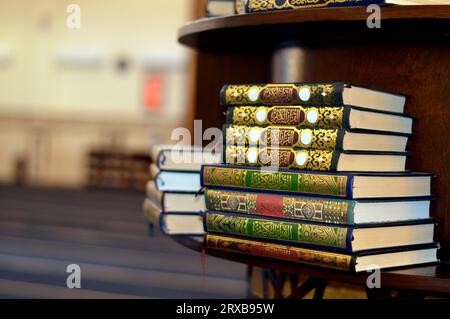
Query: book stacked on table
point(217, 8)
point(250, 6)
point(173, 201)
point(315, 173)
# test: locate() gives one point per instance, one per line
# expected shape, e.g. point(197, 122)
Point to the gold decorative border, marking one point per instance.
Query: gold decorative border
point(288, 181)
point(264, 5)
point(280, 252)
point(280, 94)
point(292, 207)
point(282, 136)
point(310, 117)
point(315, 160)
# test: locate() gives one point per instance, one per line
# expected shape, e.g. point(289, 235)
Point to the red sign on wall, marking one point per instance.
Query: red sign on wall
point(153, 89)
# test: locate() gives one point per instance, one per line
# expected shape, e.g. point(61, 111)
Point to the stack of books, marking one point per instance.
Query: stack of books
point(315, 173)
point(174, 202)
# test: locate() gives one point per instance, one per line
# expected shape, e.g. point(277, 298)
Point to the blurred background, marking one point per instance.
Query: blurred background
point(85, 88)
point(118, 83)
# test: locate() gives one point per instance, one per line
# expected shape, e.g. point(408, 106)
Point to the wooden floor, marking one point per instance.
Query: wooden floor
point(44, 230)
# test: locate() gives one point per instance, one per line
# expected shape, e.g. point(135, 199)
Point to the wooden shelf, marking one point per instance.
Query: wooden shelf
point(263, 30)
point(429, 278)
point(409, 54)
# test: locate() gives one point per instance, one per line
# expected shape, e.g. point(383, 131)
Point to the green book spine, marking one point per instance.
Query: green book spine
point(300, 182)
point(286, 231)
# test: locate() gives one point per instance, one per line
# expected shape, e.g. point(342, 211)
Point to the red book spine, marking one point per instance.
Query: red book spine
point(268, 205)
point(279, 206)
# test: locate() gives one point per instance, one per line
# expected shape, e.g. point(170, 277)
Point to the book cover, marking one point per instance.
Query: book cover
point(290, 136)
point(281, 252)
point(308, 94)
point(275, 5)
point(311, 159)
point(277, 230)
point(282, 94)
point(355, 262)
point(300, 116)
point(224, 176)
point(322, 210)
point(311, 183)
point(330, 237)
point(317, 209)
point(317, 117)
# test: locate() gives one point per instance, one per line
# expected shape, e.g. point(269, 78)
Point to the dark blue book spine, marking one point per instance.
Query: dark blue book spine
point(276, 5)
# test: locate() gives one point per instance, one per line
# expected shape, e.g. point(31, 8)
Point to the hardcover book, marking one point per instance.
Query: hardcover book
point(175, 181)
point(188, 224)
point(320, 117)
point(173, 223)
point(315, 160)
point(181, 158)
point(337, 185)
point(319, 139)
point(321, 210)
point(249, 6)
point(176, 201)
point(311, 94)
point(349, 238)
point(357, 262)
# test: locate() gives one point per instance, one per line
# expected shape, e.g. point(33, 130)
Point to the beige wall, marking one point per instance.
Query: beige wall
point(61, 93)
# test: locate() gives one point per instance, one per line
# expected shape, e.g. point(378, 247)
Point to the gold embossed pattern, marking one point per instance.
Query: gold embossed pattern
point(329, 236)
point(318, 210)
point(231, 201)
point(237, 95)
point(281, 252)
point(288, 181)
point(269, 180)
point(311, 117)
point(303, 208)
point(279, 157)
point(283, 136)
point(265, 5)
point(282, 94)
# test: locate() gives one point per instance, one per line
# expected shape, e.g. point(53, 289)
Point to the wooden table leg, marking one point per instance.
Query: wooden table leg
point(311, 283)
